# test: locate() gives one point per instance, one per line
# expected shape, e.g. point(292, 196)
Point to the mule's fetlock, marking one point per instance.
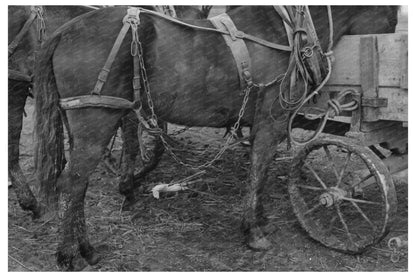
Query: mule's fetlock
point(257, 241)
point(89, 253)
point(65, 257)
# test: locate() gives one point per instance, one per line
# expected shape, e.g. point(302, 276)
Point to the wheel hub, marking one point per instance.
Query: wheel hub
point(331, 196)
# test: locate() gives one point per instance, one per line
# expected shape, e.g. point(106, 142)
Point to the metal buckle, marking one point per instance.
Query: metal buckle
point(133, 16)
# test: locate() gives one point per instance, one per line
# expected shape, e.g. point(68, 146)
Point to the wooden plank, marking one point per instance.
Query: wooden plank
point(389, 134)
point(347, 60)
point(391, 82)
point(404, 62)
point(397, 107)
point(369, 66)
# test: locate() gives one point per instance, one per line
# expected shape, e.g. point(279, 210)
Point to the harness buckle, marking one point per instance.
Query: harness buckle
point(136, 83)
point(307, 52)
point(103, 75)
point(132, 17)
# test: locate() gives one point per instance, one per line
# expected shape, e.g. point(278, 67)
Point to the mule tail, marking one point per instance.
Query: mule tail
point(49, 152)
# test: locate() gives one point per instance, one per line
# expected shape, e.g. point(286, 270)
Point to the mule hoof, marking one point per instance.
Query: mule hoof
point(37, 213)
point(94, 258)
point(89, 253)
point(257, 241)
point(128, 204)
point(43, 215)
point(64, 261)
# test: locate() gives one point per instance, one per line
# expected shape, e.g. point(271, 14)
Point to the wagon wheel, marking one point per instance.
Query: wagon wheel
point(342, 194)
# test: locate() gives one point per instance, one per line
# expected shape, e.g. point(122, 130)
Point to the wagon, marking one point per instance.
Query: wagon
point(340, 183)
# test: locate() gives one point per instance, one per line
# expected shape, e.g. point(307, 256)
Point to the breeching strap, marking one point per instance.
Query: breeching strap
point(95, 99)
point(237, 46)
point(35, 11)
point(103, 75)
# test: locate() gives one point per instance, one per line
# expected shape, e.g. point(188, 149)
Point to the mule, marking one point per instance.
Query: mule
point(129, 175)
point(193, 82)
point(21, 61)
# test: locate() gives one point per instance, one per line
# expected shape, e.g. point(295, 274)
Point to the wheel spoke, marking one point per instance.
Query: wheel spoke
point(313, 209)
point(310, 187)
point(361, 201)
point(362, 180)
point(344, 224)
point(343, 169)
point(364, 216)
point(328, 154)
point(316, 176)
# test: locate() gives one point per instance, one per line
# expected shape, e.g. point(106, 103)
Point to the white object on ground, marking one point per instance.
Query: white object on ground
point(168, 188)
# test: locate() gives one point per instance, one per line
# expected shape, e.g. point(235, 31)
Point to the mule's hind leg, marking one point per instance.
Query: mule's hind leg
point(90, 140)
point(134, 147)
point(127, 184)
point(16, 104)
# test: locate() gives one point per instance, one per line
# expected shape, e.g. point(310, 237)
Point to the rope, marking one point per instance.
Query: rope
point(334, 108)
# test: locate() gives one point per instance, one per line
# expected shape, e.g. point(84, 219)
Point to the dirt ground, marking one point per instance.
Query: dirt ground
point(193, 230)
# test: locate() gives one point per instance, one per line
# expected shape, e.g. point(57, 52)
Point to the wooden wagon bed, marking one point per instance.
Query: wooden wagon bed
point(375, 66)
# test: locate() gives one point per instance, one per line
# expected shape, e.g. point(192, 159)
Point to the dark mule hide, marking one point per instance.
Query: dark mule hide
point(22, 60)
point(129, 179)
point(192, 12)
point(193, 82)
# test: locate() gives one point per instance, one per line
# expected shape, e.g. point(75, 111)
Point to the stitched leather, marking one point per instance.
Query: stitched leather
point(237, 46)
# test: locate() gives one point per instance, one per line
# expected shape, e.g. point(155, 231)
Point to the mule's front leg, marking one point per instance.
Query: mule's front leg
point(267, 135)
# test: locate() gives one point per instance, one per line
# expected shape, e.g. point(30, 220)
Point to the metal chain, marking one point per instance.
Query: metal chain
point(153, 121)
point(227, 144)
point(40, 22)
point(153, 118)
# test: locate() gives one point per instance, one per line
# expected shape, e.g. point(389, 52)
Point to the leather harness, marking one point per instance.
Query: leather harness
point(295, 26)
point(36, 12)
point(237, 46)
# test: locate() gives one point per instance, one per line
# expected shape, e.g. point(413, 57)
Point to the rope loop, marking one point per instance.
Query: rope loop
point(335, 108)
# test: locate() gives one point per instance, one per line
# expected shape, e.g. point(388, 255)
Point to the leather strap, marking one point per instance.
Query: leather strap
point(103, 75)
point(13, 45)
point(166, 9)
point(281, 10)
point(238, 34)
point(237, 46)
point(95, 101)
point(19, 76)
